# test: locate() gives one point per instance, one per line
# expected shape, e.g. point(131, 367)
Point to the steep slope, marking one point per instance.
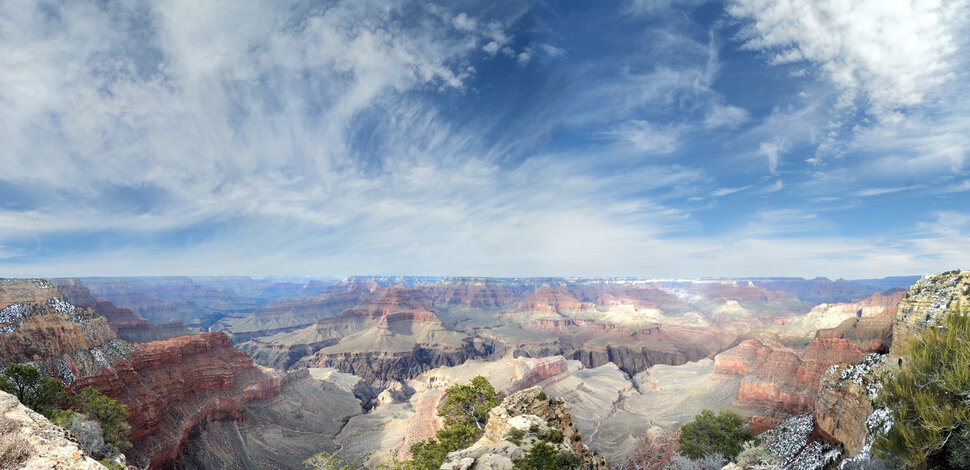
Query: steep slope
point(925, 303)
point(28, 441)
point(779, 380)
point(391, 337)
point(130, 327)
point(290, 314)
point(38, 326)
point(280, 432)
point(171, 387)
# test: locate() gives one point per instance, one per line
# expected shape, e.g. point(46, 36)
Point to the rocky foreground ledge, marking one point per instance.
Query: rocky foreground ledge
point(29, 441)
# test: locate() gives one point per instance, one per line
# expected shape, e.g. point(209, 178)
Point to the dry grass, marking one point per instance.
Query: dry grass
point(14, 450)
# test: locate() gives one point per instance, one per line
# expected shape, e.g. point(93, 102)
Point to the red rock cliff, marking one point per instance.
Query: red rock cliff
point(781, 380)
point(173, 387)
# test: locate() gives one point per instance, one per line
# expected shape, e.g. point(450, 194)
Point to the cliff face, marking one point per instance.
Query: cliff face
point(172, 387)
point(130, 327)
point(28, 441)
point(845, 403)
point(64, 341)
point(524, 411)
point(286, 315)
point(844, 409)
point(926, 302)
point(779, 380)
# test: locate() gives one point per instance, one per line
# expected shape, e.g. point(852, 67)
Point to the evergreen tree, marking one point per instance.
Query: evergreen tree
point(41, 394)
point(929, 396)
point(710, 433)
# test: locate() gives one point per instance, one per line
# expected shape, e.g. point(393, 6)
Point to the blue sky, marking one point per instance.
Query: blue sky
point(656, 138)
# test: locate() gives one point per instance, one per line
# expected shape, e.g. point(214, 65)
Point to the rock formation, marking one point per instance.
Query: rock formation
point(844, 403)
point(28, 441)
point(129, 326)
point(531, 413)
point(927, 302)
point(289, 314)
point(173, 386)
point(301, 420)
point(782, 380)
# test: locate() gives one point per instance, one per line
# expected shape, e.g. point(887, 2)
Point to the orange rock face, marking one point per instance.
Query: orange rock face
point(173, 387)
point(781, 380)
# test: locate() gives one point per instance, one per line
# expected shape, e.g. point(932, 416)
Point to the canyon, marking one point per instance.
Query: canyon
point(223, 372)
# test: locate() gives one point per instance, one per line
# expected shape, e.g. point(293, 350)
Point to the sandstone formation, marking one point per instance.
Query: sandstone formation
point(781, 380)
point(530, 412)
point(65, 341)
point(129, 326)
point(407, 414)
point(927, 302)
point(28, 441)
point(392, 337)
point(286, 315)
point(844, 404)
point(173, 386)
point(299, 421)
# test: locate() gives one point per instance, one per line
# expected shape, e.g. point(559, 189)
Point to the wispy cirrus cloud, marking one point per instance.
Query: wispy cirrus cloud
point(453, 138)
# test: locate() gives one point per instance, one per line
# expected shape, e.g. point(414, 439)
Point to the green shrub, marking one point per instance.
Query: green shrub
point(543, 456)
point(41, 394)
point(710, 433)
point(927, 396)
point(112, 465)
point(515, 435)
point(553, 436)
point(465, 411)
point(108, 413)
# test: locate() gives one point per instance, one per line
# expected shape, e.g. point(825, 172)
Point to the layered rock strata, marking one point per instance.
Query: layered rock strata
point(926, 303)
point(129, 326)
point(779, 380)
point(172, 387)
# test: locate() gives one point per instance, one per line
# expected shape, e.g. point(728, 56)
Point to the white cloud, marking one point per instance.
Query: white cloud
point(719, 192)
point(893, 53)
point(651, 137)
point(725, 116)
point(869, 192)
point(491, 48)
point(552, 51)
point(773, 151)
point(465, 23)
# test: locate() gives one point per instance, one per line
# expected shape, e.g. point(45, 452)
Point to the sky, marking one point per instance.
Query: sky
point(653, 138)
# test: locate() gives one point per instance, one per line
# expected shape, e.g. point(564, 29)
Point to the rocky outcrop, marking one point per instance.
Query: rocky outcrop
point(378, 366)
point(781, 380)
point(37, 326)
point(28, 441)
point(286, 315)
point(172, 387)
point(844, 403)
point(129, 326)
point(927, 302)
point(523, 419)
point(279, 432)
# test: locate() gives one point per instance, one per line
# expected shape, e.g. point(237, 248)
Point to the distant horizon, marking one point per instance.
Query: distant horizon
point(338, 277)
